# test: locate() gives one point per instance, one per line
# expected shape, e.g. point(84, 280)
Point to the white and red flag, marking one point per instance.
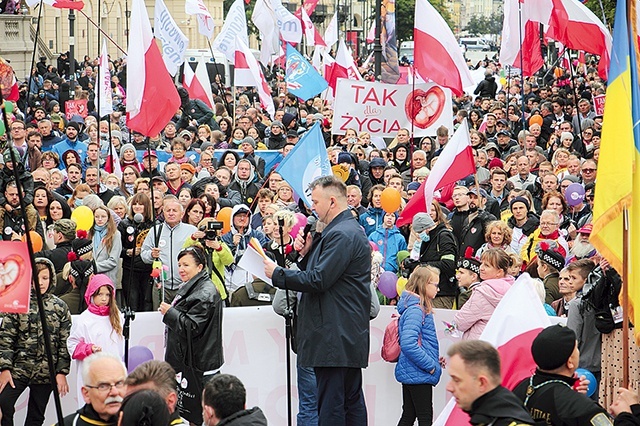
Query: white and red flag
point(517, 320)
point(149, 83)
point(331, 33)
point(248, 73)
point(60, 4)
point(105, 106)
point(522, 18)
point(205, 21)
point(437, 56)
point(578, 28)
point(454, 163)
point(196, 84)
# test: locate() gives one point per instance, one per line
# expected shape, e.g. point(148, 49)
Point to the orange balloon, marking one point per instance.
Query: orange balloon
point(535, 119)
point(391, 200)
point(36, 241)
point(224, 216)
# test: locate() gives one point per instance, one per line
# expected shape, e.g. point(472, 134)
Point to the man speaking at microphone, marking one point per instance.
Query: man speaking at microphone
point(136, 283)
point(333, 312)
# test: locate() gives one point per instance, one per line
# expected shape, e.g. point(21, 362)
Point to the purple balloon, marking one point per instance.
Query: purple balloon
point(138, 355)
point(574, 194)
point(387, 284)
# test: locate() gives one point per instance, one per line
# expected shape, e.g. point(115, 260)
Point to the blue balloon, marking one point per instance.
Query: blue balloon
point(593, 383)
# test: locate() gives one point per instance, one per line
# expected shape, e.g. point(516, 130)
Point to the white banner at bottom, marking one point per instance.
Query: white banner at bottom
point(254, 350)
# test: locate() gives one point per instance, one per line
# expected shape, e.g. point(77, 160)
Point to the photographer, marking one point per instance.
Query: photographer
point(218, 253)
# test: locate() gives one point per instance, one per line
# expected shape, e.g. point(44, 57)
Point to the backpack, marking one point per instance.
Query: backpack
point(390, 350)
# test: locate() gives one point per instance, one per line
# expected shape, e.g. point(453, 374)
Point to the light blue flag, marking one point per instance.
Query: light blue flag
point(306, 162)
point(301, 77)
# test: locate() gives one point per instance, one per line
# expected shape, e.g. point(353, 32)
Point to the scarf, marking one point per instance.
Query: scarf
point(102, 311)
point(98, 235)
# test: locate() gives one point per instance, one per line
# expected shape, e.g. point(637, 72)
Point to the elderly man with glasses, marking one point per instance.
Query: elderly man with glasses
point(548, 231)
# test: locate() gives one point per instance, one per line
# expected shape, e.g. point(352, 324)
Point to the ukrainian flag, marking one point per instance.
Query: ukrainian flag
point(618, 180)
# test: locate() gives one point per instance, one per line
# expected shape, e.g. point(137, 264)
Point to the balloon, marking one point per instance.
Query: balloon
point(8, 106)
point(36, 241)
point(387, 284)
point(138, 355)
point(224, 216)
point(83, 217)
point(390, 200)
point(2, 129)
point(574, 194)
point(401, 284)
point(374, 246)
point(593, 383)
point(301, 222)
point(503, 81)
point(535, 119)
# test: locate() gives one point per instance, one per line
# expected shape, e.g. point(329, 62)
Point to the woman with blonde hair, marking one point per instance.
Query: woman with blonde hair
point(472, 318)
point(418, 367)
point(107, 243)
point(497, 235)
point(284, 195)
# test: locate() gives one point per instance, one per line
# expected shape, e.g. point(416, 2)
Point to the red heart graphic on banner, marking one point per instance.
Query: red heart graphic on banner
point(11, 269)
point(424, 108)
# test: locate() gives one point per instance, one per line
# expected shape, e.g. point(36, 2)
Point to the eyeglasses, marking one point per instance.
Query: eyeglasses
point(106, 387)
point(17, 128)
point(548, 223)
point(588, 170)
point(197, 254)
point(436, 284)
point(205, 160)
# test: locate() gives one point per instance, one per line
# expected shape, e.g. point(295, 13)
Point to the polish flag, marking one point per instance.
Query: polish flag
point(436, 55)
point(149, 83)
point(60, 4)
point(248, 73)
point(331, 33)
point(310, 31)
point(344, 59)
point(371, 35)
point(205, 21)
point(578, 28)
point(454, 163)
point(534, 13)
point(517, 320)
point(195, 87)
point(112, 163)
point(332, 72)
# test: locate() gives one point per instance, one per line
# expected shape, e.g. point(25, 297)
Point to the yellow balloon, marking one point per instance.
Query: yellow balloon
point(401, 284)
point(83, 217)
point(503, 81)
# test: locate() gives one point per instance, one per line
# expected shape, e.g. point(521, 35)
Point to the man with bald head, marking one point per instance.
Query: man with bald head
point(104, 377)
point(418, 160)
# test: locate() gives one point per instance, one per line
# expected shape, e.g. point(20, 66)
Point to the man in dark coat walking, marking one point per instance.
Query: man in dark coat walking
point(333, 314)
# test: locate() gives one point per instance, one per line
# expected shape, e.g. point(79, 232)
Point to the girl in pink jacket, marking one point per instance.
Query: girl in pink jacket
point(472, 318)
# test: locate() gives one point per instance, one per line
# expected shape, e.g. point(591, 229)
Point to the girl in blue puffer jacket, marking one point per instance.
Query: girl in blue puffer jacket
point(418, 367)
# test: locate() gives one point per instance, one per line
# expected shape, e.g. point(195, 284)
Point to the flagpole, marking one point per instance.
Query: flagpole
point(97, 99)
point(575, 97)
point(102, 32)
point(625, 297)
point(216, 75)
point(524, 122)
point(413, 89)
point(35, 47)
point(377, 47)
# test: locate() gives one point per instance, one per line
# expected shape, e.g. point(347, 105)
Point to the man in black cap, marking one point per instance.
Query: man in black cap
point(549, 395)
point(523, 222)
point(468, 276)
point(550, 262)
point(276, 139)
point(71, 141)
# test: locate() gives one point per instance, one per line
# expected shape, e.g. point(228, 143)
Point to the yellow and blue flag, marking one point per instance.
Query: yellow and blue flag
point(618, 182)
point(306, 162)
point(301, 77)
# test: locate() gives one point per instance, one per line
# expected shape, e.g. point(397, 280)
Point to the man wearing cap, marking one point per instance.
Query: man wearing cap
point(168, 135)
point(276, 139)
point(549, 395)
point(13, 226)
point(504, 142)
point(70, 141)
point(292, 137)
point(474, 367)
point(435, 246)
point(248, 147)
point(468, 276)
point(468, 221)
point(150, 162)
point(523, 222)
point(64, 232)
point(376, 171)
point(581, 247)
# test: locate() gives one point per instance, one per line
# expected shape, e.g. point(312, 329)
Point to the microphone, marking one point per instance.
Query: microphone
point(311, 225)
point(138, 218)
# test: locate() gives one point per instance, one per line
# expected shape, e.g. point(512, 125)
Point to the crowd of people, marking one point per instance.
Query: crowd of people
point(169, 235)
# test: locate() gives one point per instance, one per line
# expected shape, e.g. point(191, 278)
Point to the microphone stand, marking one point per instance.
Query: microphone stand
point(129, 313)
point(288, 317)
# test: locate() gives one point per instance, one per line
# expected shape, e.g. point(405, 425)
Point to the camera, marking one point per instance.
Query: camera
point(211, 231)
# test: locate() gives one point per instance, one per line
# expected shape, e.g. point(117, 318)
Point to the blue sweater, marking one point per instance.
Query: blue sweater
point(418, 363)
point(371, 219)
point(390, 242)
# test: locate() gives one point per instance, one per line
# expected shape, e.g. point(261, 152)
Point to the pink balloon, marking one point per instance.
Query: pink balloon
point(301, 222)
point(374, 246)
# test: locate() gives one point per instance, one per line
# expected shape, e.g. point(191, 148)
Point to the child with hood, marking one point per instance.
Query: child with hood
point(389, 241)
point(99, 328)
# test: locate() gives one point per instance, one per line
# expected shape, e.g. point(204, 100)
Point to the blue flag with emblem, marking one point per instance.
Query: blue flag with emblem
point(306, 162)
point(301, 78)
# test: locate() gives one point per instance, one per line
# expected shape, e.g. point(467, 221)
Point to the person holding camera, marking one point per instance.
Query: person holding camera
point(217, 252)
